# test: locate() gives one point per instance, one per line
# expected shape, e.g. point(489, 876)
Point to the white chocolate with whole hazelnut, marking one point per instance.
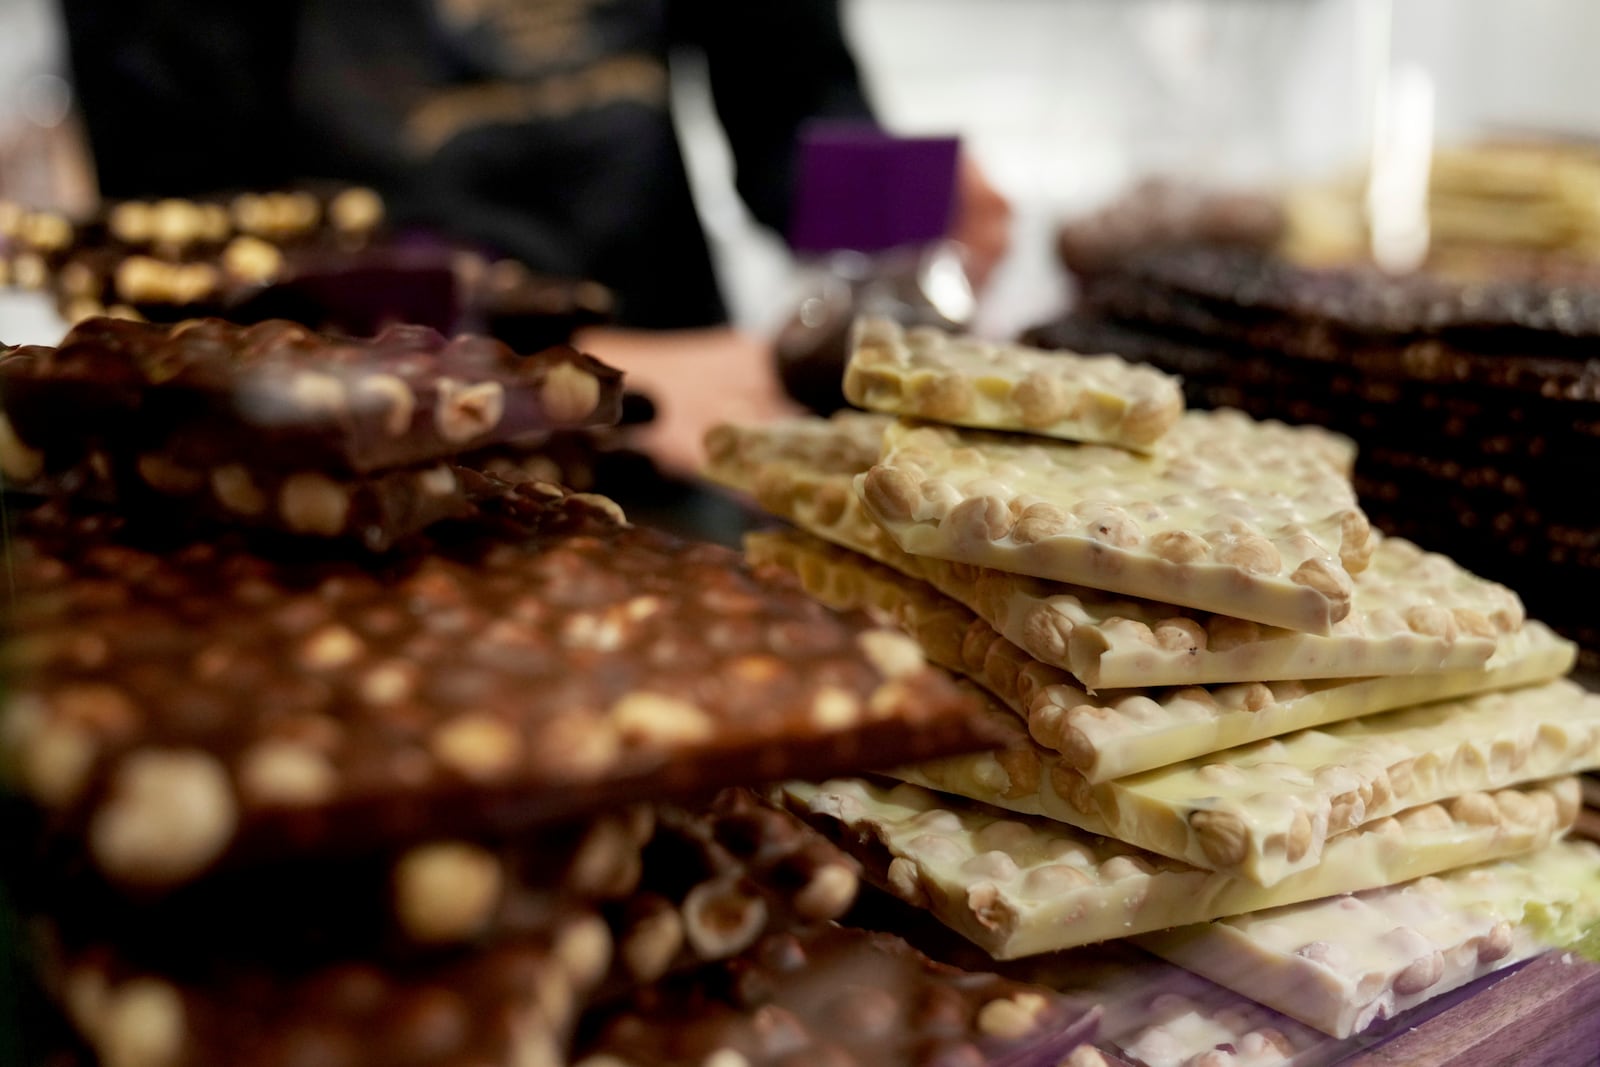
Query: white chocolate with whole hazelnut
point(1265, 811)
point(802, 470)
point(965, 381)
point(1119, 732)
point(1343, 963)
point(1018, 886)
point(1250, 519)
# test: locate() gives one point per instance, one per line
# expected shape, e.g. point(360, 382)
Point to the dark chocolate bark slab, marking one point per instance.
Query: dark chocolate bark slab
point(206, 395)
point(182, 705)
point(835, 996)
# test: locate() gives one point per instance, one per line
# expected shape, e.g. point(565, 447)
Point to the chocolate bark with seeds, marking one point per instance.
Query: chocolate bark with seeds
point(836, 996)
point(181, 706)
point(208, 394)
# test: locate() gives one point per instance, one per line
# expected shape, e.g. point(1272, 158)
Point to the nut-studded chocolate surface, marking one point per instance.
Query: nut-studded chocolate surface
point(1264, 811)
point(1118, 732)
point(1244, 518)
point(1410, 611)
point(836, 996)
point(715, 880)
point(403, 906)
point(1342, 963)
point(208, 394)
point(1020, 885)
point(512, 1003)
point(180, 705)
point(927, 373)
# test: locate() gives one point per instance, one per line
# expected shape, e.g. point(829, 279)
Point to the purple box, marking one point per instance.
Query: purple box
point(865, 190)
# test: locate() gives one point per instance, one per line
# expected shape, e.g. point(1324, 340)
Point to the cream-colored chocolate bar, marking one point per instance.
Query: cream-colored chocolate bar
point(1264, 811)
point(1183, 1032)
point(1020, 886)
point(1341, 964)
point(1411, 612)
point(1229, 515)
point(931, 374)
point(1117, 733)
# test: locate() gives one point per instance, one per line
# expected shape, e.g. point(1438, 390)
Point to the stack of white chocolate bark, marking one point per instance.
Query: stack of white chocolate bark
point(1232, 703)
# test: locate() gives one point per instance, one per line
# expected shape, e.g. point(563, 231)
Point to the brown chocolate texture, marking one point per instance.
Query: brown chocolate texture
point(179, 706)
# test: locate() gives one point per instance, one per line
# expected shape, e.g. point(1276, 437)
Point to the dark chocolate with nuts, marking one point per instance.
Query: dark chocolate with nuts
point(208, 394)
point(177, 707)
point(717, 879)
point(348, 291)
point(510, 1004)
point(377, 510)
point(398, 906)
point(318, 256)
point(832, 996)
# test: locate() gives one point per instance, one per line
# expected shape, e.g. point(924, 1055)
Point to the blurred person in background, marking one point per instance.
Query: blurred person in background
point(538, 128)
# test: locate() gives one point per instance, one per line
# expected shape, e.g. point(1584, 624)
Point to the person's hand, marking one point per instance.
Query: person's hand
point(983, 222)
point(696, 378)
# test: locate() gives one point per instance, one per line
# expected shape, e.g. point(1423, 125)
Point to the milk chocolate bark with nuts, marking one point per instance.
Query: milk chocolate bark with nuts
point(378, 510)
point(511, 1004)
point(402, 906)
point(716, 880)
point(836, 996)
point(206, 395)
point(181, 706)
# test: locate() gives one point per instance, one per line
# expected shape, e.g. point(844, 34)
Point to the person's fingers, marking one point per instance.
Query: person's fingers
point(983, 222)
point(697, 379)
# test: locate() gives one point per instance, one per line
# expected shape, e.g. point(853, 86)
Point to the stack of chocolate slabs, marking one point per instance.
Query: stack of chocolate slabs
point(1226, 695)
point(285, 798)
point(1471, 399)
point(275, 426)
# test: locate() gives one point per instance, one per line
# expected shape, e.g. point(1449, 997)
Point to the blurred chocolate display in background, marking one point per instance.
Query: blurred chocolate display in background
point(1473, 392)
point(322, 257)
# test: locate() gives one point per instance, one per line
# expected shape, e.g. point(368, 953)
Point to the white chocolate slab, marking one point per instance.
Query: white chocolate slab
point(1411, 612)
point(964, 381)
point(1117, 733)
point(1264, 811)
point(1343, 963)
point(1184, 1032)
point(1019, 886)
point(1229, 515)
